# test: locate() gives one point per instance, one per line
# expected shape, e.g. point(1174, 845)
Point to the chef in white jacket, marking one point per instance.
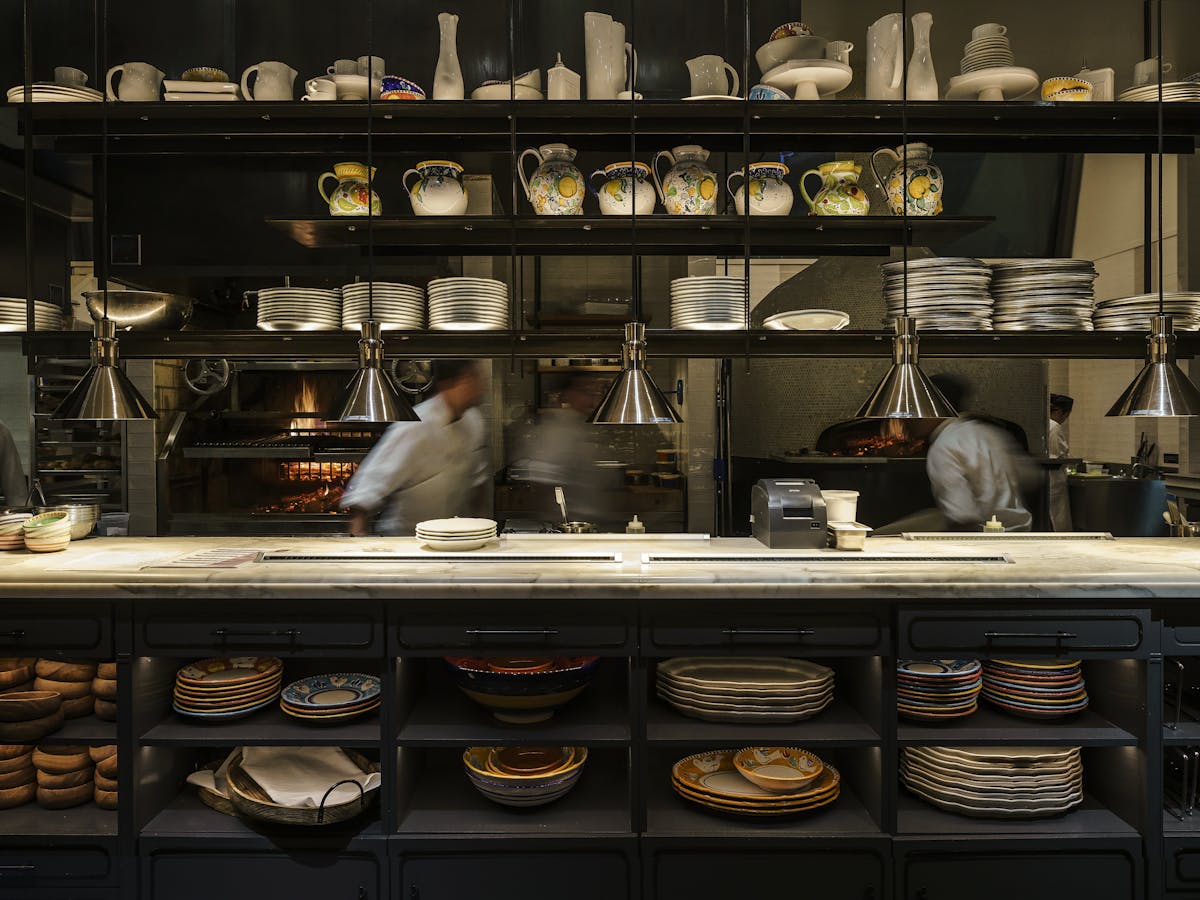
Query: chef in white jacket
point(1057, 448)
point(431, 469)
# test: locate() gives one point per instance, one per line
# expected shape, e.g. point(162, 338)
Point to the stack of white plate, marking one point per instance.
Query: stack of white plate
point(456, 534)
point(945, 293)
point(468, 304)
point(808, 320)
point(708, 303)
point(46, 316)
point(49, 92)
point(1173, 92)
point(1134, 313)
point(989, 52)
point(995, 782)
point(745, 689)
point(395, 306)
point(1036, 294)
point(299, 309)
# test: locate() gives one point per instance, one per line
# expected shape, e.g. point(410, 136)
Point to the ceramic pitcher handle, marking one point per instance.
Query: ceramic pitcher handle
point(321, 184)
point(737, 173)
point(879, 178)
point(807, 199)
point(246, 82)
point(631, 67)
point(898, 68)
point(521, 168)
point(404, 179)
point(658, 185)
point(737, 82)
point(108, 81)
point(592, 180)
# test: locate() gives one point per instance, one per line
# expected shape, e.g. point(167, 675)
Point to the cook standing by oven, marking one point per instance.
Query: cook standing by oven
point(431, 469)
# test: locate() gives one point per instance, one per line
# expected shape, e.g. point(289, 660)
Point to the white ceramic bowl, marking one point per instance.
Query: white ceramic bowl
point(776, 53)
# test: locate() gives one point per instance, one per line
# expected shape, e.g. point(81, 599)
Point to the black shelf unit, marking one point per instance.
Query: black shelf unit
point(988, 726)
point(1091, 818)
point(840, 724)
point(84, 730)
point(269, 727)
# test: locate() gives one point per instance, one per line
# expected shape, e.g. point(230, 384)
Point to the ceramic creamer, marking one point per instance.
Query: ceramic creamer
point(352, 196)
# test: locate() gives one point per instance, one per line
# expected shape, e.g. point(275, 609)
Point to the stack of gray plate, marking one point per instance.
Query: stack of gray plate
point(299, 309)
point(1134, 313)
point(46, 316)
point(1173, 92)
point(1043, 294)
point(945, 293)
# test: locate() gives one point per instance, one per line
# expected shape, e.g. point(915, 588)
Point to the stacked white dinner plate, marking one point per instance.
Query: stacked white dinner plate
point(1134, 313)
point(947, 293)
point(708, 303)
point(808, 320)
point(745, 689)
point(1173, 92)
point(395, 306)
point(468, 304)
point(49, 92)
point(456, 534)
point(990, 52)
point(299, 309)
point(46, 316)
point(995, 782)
point(1037, 294)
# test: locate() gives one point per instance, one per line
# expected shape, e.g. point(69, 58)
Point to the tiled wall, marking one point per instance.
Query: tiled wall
point(14, 395)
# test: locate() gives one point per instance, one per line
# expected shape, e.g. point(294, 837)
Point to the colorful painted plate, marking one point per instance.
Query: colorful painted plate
point(736, 674)
point(938, 668)
point(228, 670)
point(224, 716)
point(335, 691)
point(715, 774)
point(780, 770)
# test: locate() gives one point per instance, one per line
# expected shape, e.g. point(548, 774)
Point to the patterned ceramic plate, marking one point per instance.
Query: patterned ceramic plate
point(744, 673)
point(779, 769)
point(714, 773)
point(938, 668)
point(229, 670)
point(225, 716)
point(769, 808)
point(334, 691)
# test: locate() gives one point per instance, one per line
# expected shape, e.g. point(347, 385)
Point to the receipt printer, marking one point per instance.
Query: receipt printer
point(788, 513)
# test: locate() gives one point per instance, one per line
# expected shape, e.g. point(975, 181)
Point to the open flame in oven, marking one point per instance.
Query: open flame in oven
point(305, 400)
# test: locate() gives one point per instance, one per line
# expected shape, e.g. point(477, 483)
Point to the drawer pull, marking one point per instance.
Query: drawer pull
point(224, 634)
point(17, 868)
point(17, 635)
point(768, 632)
point(1057, 636)
point(512, 632)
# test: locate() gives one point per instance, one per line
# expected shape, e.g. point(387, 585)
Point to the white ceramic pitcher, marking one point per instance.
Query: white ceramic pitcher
point(273, 80)
point(611, 62)
point(139, 82)
point(885, 58)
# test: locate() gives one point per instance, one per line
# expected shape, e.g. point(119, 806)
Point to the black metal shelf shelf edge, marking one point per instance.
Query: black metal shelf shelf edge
point(987, 726)
point(261, 345)
point(538, 235)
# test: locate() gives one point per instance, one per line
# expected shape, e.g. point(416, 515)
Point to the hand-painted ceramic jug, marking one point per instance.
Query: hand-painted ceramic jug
point(769, 194)
point(840, 194)
point(350, 197)
point(625, 188)
point(438, 190)
point(924, 180)
point(557, 186)
point(690, 186)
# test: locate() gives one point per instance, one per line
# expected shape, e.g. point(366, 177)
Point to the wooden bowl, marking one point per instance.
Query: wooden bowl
point(64, 749)
point(18, 796)
point(22, 706)
point(60, 764)
point(108, 767)
point(102, 752)
point(17, 763)
point(16, 675)
point(65, 798)
point(79, 707)
point(32, 730)
point(16, 662)
point(105, 784)
point(105, 799)
point(106, 710)
point(106, 670)
point(104, 688)
point(12, 751)
point(67, 780)
point(65, 670)
point(18, 778)
point(20, 686)
point(70, 690)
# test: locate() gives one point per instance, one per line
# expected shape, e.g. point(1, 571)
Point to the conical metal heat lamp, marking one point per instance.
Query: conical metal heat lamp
point(634, 398)
point(104, 393)
point(905, 391)
point(371, 396)
point(1160, 388)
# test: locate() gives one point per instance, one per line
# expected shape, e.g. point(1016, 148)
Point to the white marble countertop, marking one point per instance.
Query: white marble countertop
point(518, 567)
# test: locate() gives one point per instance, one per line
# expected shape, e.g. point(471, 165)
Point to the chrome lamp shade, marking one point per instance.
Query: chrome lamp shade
point(370, 396)
point(104, 393)
point(905, 391)
point(1160, 388)
point(634, 398)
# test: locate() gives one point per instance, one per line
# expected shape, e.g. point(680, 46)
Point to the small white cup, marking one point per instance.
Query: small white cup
point(371, 65)
point(839, 50)
point(343, 67)
point(70, 75)
point(319, 89)
point(988, 29)
point(1146, 72)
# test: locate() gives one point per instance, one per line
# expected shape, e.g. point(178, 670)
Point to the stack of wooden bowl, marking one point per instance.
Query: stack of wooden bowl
point(72, 679)
point(65, 775)
point(16, 673)
point(105, 759)
point(28, 716)
point(47, 532)
point(18, 778)
point(12, 536)
point(104, 689)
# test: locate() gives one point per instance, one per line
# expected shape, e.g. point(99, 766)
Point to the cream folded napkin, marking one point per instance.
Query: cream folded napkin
point(299, 776)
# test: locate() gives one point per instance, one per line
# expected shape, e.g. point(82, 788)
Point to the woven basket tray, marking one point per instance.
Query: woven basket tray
point(248, 799)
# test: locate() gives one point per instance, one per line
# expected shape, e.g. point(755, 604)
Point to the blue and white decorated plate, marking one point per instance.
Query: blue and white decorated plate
point(938, 668)
point(227, 716)
point(325, 692)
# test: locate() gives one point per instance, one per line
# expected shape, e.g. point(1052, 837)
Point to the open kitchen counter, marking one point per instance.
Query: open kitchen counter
point(606, 566)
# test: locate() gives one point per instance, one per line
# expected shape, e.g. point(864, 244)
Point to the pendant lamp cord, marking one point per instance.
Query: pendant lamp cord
point(903, 148)
point(370, 161)
point(102, 250)
point(635, 268)
point(1161, 188)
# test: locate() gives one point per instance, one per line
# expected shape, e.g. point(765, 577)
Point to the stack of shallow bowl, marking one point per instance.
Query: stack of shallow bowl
point(46, 316)
point(12, 535)
point(72, 680)
point(937, 690)
point(104, 689)
point(708, 303)
point(458, 533)
point(47, 532)
point(524, 776)
point(745, 689)
point(28, 716)
point(16, 673)
point(65, 775)
point(82, 516)
point(105, 758)
point(758, 782)
point(331, 699)
point(226, 688)
point(394, 306)
point(18, 776)
point(299, 309)
point(468, 304)
point(523, 690)
point(1035, 689)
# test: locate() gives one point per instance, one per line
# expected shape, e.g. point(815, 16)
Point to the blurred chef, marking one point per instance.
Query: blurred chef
point(431, 469)
point(12, 477)
point(1056, 448)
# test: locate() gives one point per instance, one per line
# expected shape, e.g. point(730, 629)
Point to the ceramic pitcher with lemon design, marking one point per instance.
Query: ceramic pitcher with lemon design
point(556, 187)
point(769, 194)
point(625, 189)
point(840, 194)
point(353, 195)
point(690, 186)
point(924, 181)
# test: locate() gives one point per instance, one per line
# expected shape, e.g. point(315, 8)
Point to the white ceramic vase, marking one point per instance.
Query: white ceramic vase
point(448, 77)
point(922, 79)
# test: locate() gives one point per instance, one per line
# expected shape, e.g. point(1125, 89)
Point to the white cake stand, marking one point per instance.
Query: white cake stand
point(1000, 83)
point(808, 79)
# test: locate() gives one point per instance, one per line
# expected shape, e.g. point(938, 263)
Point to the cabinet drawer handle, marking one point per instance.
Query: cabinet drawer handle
point(17, 868)
point(17, 635)
point(224, 634)
point(512, 632)
point(1057, 636)
point(768, 632)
